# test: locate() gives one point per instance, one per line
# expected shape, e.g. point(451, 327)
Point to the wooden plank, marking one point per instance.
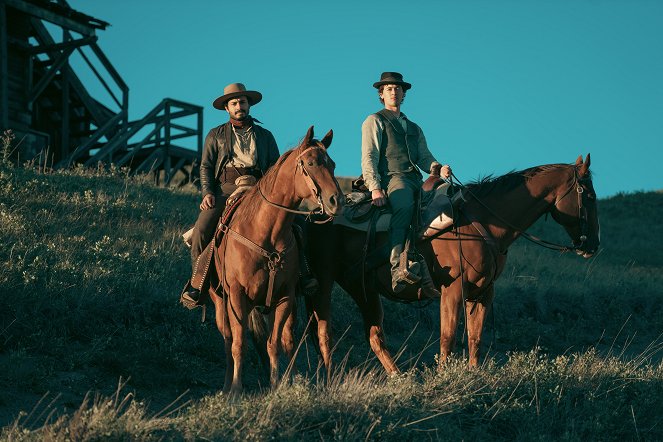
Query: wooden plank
point(4, 90)
point(174, 170)
point(151, 162)
point(44, 14)
point(50, 75)
point(64, 148)
point(60, 46)
point(83, 148)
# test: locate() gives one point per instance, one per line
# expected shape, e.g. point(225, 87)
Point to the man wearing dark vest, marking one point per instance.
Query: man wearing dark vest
point(236, 148)
point(393, 149)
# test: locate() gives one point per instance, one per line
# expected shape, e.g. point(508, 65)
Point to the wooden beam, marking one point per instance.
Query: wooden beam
point(174, 170)
point(60, 46)
point(65, 113)
point(140, 145)
point(50, 75)
point(80, 150)
point(152, 162)
point(4, 76)
point(200, 133)
point(44, 14)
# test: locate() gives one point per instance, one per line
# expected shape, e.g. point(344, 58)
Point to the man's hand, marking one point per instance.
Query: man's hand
point(379, 197)
point(445, 171)
point(208, 202)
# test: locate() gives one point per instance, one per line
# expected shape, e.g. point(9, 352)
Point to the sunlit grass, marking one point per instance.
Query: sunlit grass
point(91, 264)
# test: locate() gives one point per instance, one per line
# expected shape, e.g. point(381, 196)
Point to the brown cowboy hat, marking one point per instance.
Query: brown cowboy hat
point(392, 78)
point(235, 90)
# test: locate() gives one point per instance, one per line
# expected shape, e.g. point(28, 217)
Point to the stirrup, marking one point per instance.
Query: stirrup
point(186, 298)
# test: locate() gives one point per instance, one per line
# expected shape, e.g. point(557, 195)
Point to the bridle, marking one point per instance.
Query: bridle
point(582, 215)
point(311, 184)
point(582, 210)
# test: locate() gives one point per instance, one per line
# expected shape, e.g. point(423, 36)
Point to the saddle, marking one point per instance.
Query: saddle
point(439, 204)
point(201, 278)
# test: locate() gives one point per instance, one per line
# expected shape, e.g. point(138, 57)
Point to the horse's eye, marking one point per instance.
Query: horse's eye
point(310, 163)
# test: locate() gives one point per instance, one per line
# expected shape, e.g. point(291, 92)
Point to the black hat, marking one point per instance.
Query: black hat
point(392, 78)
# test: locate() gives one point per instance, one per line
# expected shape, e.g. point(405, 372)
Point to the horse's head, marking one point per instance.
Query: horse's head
point(575, 209)
point(316, 169)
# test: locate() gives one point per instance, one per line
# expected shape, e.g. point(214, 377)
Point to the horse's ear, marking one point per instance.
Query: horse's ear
point(584, 168)
point(326, 141)
point(579, 161)
point(308, 137)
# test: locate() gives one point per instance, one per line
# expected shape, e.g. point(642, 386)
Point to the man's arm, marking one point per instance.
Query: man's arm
point(371, 138)
point(427, 161)
point(208, 163)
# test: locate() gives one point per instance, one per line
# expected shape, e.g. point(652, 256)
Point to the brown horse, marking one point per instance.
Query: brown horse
point(496, 213)
point(257, 259)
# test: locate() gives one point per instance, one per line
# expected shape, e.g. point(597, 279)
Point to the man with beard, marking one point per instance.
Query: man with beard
point(237, 148)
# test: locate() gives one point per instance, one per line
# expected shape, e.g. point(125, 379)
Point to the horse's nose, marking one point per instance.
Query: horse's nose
point(335, 203)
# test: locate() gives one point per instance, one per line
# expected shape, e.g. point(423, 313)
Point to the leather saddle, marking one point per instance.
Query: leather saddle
point(439, 204)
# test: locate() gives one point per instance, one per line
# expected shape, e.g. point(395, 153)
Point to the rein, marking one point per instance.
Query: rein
point(582, 215)
point(315, 191)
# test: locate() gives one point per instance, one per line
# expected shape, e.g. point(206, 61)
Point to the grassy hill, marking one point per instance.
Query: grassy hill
point(93, 344)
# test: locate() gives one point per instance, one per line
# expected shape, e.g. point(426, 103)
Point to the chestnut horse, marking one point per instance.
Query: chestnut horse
point(497, 211)
point(257, 259)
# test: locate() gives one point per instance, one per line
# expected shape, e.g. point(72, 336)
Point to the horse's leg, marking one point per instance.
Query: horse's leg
point(320, 308)
point(288, 336)
point(449, 308)
point(476, 314)
point(373, 315)
point(223, 325)
point(278, 319)
point(237, 316)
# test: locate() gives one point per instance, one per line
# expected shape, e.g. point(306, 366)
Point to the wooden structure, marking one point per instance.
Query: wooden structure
point(47, 104)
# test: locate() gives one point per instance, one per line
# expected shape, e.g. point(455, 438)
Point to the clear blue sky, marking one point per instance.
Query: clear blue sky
point(497, 85)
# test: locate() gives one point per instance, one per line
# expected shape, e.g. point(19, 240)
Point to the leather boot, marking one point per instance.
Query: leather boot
point(428, 288)
point(402, 277)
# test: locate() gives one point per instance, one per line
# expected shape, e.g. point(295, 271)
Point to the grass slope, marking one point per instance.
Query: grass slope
point(91, 265)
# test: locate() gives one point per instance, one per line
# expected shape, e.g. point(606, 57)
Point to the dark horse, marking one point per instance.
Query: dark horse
point(257, 258)
point(496, 213)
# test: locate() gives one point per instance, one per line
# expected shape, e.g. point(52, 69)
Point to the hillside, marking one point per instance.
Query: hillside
point(91, 265)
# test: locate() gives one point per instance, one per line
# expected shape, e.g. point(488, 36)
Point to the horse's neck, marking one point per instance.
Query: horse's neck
point(515, 212)
point(272, 225)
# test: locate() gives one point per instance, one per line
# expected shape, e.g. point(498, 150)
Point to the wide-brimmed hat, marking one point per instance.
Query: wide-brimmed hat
point(392, 78)
point(235, 90)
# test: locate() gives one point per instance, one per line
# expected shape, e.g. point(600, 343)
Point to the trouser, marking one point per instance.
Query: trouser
point(402, 192)
point(203, 231)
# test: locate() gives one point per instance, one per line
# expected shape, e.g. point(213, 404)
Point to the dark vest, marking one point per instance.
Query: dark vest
point(399, 150)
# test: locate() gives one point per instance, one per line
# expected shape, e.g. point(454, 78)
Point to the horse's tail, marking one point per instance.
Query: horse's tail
point(259, 336)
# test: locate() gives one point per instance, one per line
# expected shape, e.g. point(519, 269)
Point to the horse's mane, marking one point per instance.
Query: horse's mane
point(510, 180)
point(246, 212)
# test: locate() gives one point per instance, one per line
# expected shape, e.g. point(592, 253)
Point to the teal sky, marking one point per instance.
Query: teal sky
point(497, 85)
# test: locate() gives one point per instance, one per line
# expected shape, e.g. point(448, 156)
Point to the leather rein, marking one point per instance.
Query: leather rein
point(582, 216)
point(274, 257)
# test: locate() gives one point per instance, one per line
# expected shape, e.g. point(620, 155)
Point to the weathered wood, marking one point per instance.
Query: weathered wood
point(174, 170)
point(44, 14)
point(60, 46)
point(4, 53)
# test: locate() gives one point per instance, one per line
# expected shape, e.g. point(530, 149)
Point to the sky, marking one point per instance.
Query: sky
point(497, 85)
